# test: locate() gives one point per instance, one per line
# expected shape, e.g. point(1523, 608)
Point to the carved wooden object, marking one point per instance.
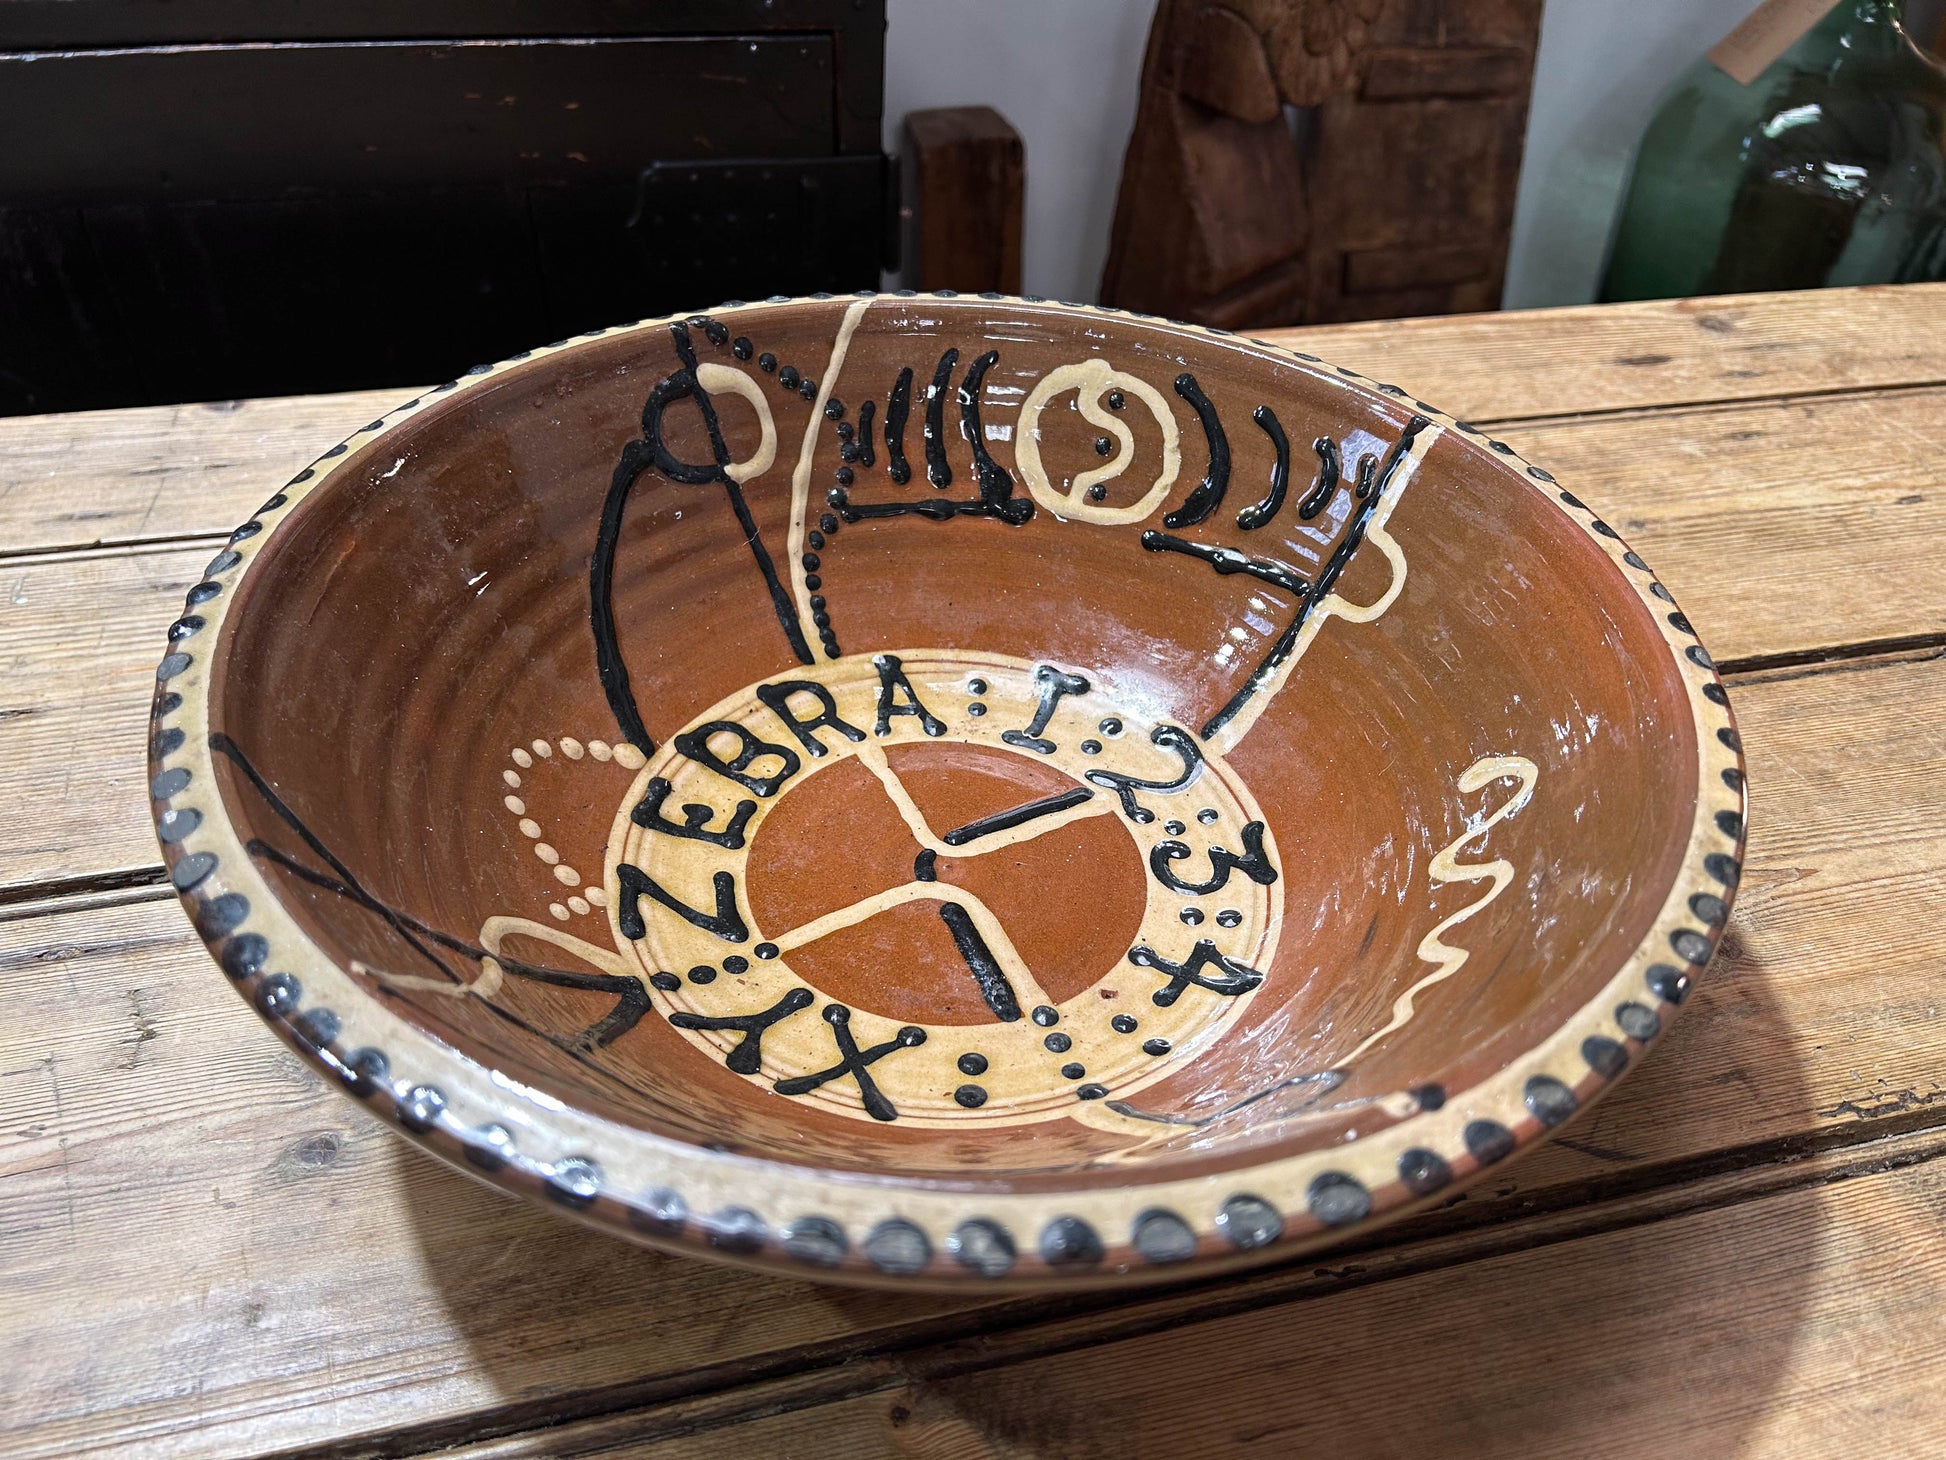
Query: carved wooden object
point(1389, 191)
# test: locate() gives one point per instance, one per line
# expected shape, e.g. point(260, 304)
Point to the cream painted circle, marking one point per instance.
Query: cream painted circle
point(1090, 380)
point(1023, 1079)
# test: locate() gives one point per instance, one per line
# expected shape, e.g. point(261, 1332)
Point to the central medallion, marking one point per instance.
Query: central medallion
point(943, 887)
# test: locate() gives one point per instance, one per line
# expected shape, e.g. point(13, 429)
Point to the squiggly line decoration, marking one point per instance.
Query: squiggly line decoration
point(1446, 869)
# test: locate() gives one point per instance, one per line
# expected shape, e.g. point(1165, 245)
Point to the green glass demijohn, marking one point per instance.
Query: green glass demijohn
point(1826, 169)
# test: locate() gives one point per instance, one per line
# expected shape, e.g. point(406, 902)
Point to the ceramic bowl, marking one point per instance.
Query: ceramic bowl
point(947, 790)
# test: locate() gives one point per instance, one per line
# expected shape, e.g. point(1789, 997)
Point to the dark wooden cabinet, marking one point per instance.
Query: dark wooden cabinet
point(206, 198)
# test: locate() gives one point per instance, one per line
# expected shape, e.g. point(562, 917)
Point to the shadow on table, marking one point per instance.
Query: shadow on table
point(1669, 1335)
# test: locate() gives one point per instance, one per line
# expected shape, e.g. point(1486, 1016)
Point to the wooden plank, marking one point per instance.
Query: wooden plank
point(1486, 367)
point(1804, 1324)
point(153, 472)
point(1782, 528)
point(83, 635)
point(1764, 518)
point(158, 472)
point(196, 1228)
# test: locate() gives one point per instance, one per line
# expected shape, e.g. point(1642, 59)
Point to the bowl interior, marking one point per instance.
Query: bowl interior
point(862, 735)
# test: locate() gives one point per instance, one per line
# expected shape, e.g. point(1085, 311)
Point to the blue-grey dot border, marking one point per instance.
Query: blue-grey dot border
point(980, 1246)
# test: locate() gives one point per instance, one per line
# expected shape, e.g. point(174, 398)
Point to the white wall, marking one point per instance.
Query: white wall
point(1064, 72)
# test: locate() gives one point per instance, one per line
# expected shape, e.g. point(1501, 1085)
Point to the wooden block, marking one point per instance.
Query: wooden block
point(1413, 142)
point(963, 200)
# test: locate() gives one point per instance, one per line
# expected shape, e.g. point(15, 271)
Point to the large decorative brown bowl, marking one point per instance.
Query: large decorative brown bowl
point(947, 790)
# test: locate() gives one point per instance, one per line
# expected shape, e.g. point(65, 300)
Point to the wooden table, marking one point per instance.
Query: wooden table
point(204, 1251)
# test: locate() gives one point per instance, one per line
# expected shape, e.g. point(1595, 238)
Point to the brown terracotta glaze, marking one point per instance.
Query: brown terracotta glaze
point(1163, 799)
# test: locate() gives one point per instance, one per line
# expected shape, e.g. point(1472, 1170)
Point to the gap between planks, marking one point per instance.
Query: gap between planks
point(130, 548)
point(1834, 658)
point(1676, 410)
point(85, 894)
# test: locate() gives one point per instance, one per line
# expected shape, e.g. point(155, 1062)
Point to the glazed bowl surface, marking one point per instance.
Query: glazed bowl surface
point(933, 789)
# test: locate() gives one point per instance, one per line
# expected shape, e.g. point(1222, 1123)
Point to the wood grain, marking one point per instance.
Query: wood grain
point(1610, 357)
point(1782, 528)
point(158, 472)
point(208, 1252)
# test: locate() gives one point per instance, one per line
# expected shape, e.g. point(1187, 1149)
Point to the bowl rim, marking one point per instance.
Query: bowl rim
point(888, 1228)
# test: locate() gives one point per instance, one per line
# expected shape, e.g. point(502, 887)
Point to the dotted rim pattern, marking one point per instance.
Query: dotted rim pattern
point(896, 1230)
